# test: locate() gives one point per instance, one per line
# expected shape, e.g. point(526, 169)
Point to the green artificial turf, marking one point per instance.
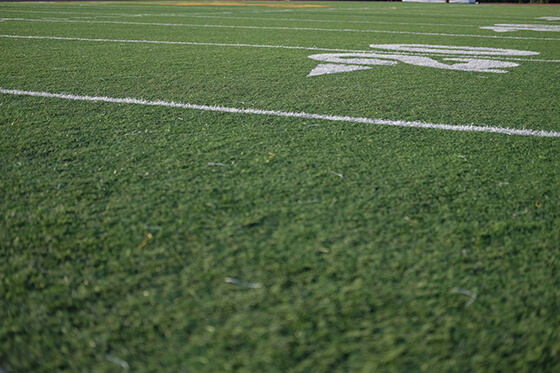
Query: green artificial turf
point(149, 238)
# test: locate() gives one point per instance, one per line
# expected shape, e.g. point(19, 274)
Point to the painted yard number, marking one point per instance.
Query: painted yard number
point(477, 59)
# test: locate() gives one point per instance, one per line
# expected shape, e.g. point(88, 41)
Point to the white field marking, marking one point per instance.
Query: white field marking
point(59, 12)
point(323, 69)
point(248, 46)
point(449, 49)
point(312, 20)
point(185, 43)
point(205, 15)
point(465, 64)
point(415, 11)
point(335, 118)
point(550, 18)
point(506, 27)
point(137, 14)
point(61, 20)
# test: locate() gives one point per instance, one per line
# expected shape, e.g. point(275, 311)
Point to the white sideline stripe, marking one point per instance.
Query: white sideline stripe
point(336, 118)
point(261, 46)
point(277, 28)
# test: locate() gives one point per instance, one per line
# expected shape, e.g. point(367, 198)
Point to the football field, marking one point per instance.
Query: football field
point(279, 187)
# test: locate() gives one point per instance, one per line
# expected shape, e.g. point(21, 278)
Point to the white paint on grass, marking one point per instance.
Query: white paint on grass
point(506, 27)
point(65, 20)
point(550, 18)
point(323, 69)
point(238, 45)
point(450, 49)
point(206, 15)
point(183, 43)
point(462, 58)
point(336, 118)
point(463, 64)
point(307, 20)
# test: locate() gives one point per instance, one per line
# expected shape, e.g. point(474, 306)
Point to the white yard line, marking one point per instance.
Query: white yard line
point(319, 20)
point(57, 20)
point(336, 118)
point(205, 15)
point(183, 43)
point(103, 14)
point(256, 46)
point(511, 27)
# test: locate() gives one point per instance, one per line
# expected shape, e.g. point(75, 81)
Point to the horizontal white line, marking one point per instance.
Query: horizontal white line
point(133, 14)
point(208, 15)
point(182, 43)
point(318, 20)
point(260, 46)
point(276, 28)
point(336, 118)
point(198, 15)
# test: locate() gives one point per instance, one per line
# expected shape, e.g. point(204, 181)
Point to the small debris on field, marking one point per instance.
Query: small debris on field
point(520, 213)
point(118, 361)
point(249, 285)
point(411, 221)
point(215, 164)
point(148, 237)
point(152, 227)
point(337, 174)
point(468, 293)
point(538, 204)
point(308, 201)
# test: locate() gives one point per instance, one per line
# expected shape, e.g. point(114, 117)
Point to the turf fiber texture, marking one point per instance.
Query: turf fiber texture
point(150, 238)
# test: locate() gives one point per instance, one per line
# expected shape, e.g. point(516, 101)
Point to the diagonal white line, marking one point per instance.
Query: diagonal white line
point(261, 46)
point(60, 20)
point(336, 118)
